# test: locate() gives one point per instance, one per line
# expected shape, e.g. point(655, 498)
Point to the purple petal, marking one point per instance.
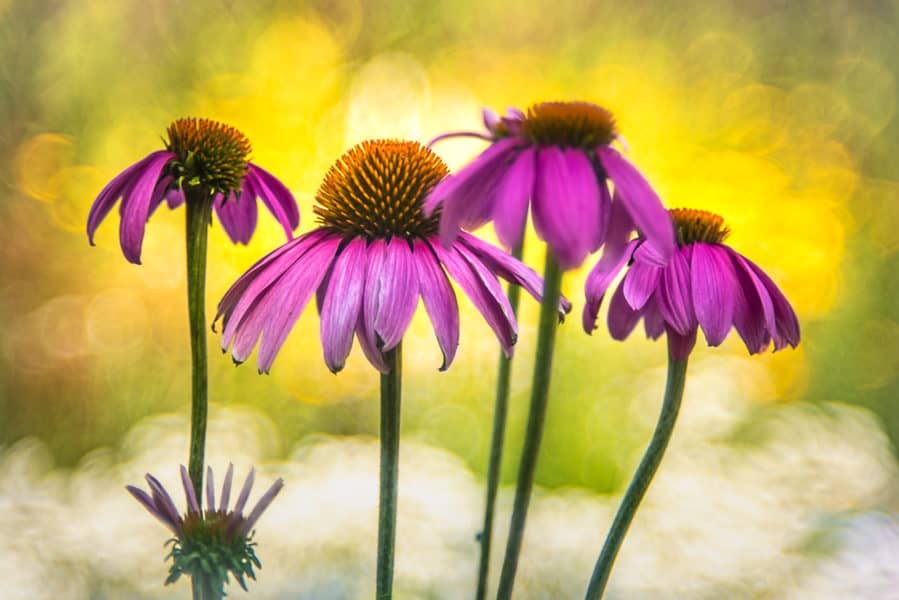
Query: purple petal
point(365, 329)
point(342, 303)
point(245, 492)
point(714, 284)
point(753, 308)
point(600, 278)
point(605, 217)
point(193, 506)
point(237, 214)
point(276, 197)
point(147, 502)
point(640, 282)
point(480, 168)
point(510, 268)
point(497, 314)
point(113, 190)
point(226, 489)
point(398, 294)
point(160, 192)
point(136, 205)
point(680, 346)
point(280, 307)
point(210, 491)
point(511, 211)
point(674, 295)
point(174, 197)
point(787, 331)
point(566, 204)
point(641, 201)
point(162, 500)
point(622, 318)
point(439, 299)
point(648, 254)
point(369, 345)
point(653, 322)
point(260, 507)
point(619, 229)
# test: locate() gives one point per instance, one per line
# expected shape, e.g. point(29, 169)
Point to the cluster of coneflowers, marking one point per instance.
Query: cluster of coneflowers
point(393, 228)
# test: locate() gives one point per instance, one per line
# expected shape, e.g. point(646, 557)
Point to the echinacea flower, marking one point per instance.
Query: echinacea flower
point(373, 256)
point(209, 544)
point(706, 284)
point(208, 160)
point(558, 158)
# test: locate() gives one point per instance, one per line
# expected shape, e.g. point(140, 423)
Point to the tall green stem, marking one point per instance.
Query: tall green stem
point(674, 391)
point(546, 340)
point(199, 211)
point(391, 384)
point(496, 442)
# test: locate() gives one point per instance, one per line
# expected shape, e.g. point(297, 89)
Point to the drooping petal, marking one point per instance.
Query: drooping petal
point(461, 271)
point(753, 308)
point(599, 280)
point(283, 304)
point(566, 204)
point(245, 492)
point(641, 201)
point(680, 346)
point(482, 167)
point(226, 489)
point(653, 322)
point(147, 502)
point(343, 303)
point(193, 506)
point(640, 282)
point(439, 299)
point(398, 294)
point(369, 345)
point(237, 214)
point(510, 268)
point(210, 490)
point(787, 331)
point(260, 507)
point(160, 192)
point(619, 229)
point(674, 295)
point(648, 254)
point(622, 318)
point(276, 197)
point(605, 216)
point(512, 197)
point(174, 197)
point(113, 190)
point(713, 284)
point(365, 329)
point(136, 205)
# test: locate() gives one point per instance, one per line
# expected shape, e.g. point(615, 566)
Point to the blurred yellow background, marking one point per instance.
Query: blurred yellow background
point(778, 115)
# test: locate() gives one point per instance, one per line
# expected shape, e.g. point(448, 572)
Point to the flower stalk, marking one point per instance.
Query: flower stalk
point(497, 440)
point(674, 391)
point(546, 338)
point(391, 384)
point(199, 213)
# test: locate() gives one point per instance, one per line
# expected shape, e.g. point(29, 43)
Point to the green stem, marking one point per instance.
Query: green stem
point(391, 384)
point(199, 213)
point(674, 391)
point(202, 588)
point(546, 337)
point(496, 442)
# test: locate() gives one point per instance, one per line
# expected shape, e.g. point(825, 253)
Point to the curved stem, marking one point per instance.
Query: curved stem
point(391, 384)
point(199, 212)
point(674, 391)
point(546, 337)
point(496, 442)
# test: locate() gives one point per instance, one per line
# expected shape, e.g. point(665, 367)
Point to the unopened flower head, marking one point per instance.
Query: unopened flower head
point(705, 284)
point(209, 544)
point(558, 159)
point(373, 256)
point(207, 159)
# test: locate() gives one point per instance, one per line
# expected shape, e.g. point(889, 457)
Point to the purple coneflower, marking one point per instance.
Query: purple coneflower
point(706, 284)
point(558, 156)
point(204, 157)
point(374, 255)
point(209, 544)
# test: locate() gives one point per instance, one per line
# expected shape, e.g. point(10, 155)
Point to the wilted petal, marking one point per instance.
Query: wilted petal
point(566, 204)
point(439, 299)
point(136, 205)
point(343, 303)
point(674, 295)
point(512, 197)
point(713, 284)
point(599, 280)
point(641, 201)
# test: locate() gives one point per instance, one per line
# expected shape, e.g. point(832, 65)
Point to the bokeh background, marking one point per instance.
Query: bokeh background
point(782, 478)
